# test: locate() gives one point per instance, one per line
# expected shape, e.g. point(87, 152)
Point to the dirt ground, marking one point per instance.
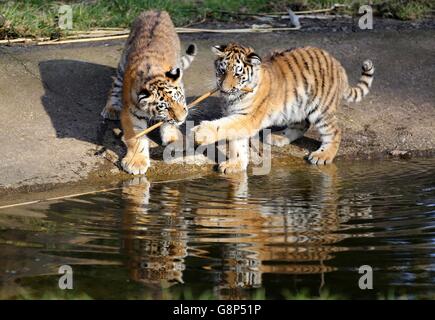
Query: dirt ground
point(51, 97)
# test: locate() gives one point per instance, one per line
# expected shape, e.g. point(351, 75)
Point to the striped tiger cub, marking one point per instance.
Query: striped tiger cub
point(293, 89)
point(148, 86)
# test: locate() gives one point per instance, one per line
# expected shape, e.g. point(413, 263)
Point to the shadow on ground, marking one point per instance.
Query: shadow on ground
point(75, 93)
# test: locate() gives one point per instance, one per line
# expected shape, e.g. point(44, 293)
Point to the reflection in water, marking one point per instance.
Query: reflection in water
point(155, 245)
point(298, 227)
point(273, 236)
point(248, 233)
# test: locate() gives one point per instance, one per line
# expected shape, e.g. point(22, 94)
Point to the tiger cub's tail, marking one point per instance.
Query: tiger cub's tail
point(355, 94)
point(187, 59)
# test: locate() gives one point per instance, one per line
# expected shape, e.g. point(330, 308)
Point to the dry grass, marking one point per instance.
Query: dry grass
point(38, 18)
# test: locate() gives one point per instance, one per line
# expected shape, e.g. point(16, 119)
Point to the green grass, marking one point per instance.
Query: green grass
point(37, 18)
point(407, 10)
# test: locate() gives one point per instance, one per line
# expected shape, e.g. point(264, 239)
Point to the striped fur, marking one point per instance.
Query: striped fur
point(148, 86)
point(356, 94)
point(293, 88)
point(114, 102)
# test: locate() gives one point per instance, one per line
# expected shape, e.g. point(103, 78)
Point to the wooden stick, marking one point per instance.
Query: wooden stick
point(246, 89)
point(57, 198)
point(148, 130)
point(43, 43)
point(89, 37)
point(179, 30)
point(203, 97)
point(75, 195)
point(21, 40)
point(190, 105)
point(244, 30)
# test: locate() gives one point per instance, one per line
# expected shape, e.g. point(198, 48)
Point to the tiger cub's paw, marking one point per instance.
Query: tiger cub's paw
point(320, 157)
point(231, 166)
point(170, 134)
point(278, 140)
point(205, 133)
point(109, 112)
point(135, 164)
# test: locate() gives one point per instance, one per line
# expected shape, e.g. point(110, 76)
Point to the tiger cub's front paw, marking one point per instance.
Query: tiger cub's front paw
point(205, 133)
point(278, 140)
point(135, 164)
point(231, 166)
point(110, 112)
point(170, 134)
point(320, 157)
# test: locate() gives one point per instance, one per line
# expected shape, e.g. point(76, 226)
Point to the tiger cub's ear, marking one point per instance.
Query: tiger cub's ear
point(174, 74)
point(218, 50)
point(254, 59)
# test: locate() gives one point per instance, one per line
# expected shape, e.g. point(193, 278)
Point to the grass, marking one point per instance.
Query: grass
point(38, 18)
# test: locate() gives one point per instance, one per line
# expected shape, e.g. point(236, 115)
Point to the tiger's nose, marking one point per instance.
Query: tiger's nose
point(227, 87)
point(181, 115)
point(228, 90)
point(223, 88)
point(161, 107)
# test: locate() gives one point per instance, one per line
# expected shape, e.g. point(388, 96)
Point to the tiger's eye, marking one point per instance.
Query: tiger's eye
point(144, 93)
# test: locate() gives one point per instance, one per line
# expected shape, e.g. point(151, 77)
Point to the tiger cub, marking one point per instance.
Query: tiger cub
point(293, 88)
point(148, 86)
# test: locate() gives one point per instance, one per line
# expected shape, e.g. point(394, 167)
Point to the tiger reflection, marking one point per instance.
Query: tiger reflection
point(291, 240)
point(259, 231)
point(156, 245)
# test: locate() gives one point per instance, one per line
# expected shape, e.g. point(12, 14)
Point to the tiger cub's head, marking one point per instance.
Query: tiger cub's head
point(236, 67)
point(162, 98)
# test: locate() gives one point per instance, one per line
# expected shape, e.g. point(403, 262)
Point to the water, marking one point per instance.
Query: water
point(300, 231)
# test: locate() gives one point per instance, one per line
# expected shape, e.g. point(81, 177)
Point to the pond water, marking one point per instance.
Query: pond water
point(299, 232)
